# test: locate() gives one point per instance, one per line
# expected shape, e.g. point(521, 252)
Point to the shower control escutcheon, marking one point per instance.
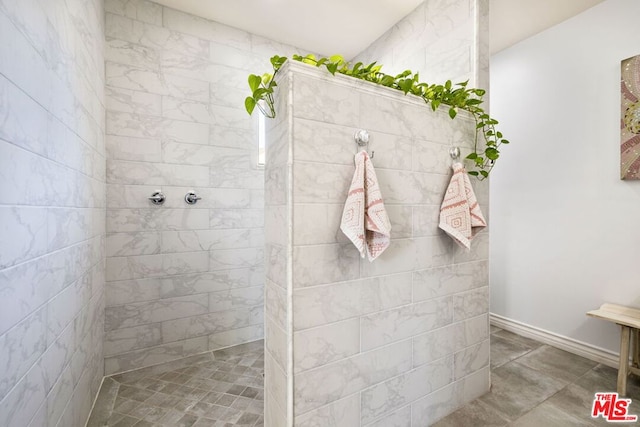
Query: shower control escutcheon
point(191, 198)
point(157, 198)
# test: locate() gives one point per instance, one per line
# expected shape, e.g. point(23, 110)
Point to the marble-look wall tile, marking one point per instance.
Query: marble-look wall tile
point(156, 219)
point(236, 298)
point(154, 36)
point(21, 347)
point(403, 389)
point(471, 359)
point(276, 342)
point(399, 418)
point(153, 81)
point(404, 322)
point(52, 206)
point(224, 259)
point(125, 172)
point(323, 385)
point(194, 324)
point(199, 240)
point(148, 289)
point(126, 339)
point(131, 101)
point(144, 126)
point(136, 149)
point(140, 10)
point(209, 30)
point(134, 314)
point(24, 234)
point(329, 303)
point(141, 266)
point(131, 54)
point(325, 344)
point(235, 337)
point(275, 390)
point(450, 279)
point(336, 104)
point(133, 243)
point(449, 339)
point(276, 303)
point(321, 183)
point(341, 413)
point(318, 224)
point(471, 303)
point(437, 404)
point(236, 218)
point(154, 355)
point(321, 264)
point(23, 402)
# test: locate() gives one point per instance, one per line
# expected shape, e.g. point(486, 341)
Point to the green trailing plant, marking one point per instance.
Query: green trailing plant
point(455, 96)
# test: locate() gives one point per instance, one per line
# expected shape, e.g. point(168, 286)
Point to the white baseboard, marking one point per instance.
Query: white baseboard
point(591, 352)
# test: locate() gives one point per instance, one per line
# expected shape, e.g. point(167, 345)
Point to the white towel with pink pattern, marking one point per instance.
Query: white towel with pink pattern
point(460, 214)
point(364, 218)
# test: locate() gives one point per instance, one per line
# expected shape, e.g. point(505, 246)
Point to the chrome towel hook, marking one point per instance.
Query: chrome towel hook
point(454, 152)
point(362, 140)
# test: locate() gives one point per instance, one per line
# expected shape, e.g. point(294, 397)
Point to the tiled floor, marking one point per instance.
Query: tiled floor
point(535, 385)
point(221, 389)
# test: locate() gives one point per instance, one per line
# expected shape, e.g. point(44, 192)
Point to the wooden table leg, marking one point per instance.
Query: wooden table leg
point(635, 347)
point(623, 369)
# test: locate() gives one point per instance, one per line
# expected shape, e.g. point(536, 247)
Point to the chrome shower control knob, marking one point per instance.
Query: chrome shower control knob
point(157, 198)
point(191, 198)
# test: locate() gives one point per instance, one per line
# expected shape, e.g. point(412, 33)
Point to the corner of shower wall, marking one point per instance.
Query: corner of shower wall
point(349, 334)
point(278, 244)
point(441, 40)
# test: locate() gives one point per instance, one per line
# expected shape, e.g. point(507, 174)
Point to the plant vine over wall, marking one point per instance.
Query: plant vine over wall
point(456, 96)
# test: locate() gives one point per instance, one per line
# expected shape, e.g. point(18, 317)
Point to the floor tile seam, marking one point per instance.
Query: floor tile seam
point(492, 408)
point(569, 382)
point(518, 341)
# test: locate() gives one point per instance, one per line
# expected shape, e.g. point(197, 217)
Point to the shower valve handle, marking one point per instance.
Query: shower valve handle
point(157, 198)
point(191, 198)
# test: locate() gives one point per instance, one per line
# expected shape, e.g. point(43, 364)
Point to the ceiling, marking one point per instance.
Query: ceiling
point(349, 26)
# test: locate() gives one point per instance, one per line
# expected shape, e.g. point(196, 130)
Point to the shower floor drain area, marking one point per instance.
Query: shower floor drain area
point(217, 389)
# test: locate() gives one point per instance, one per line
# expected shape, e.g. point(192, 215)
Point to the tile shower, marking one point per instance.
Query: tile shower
point(104, 103)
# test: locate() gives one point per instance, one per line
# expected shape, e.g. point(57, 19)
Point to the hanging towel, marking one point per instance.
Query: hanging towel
point(460, 215)
point(364, 218)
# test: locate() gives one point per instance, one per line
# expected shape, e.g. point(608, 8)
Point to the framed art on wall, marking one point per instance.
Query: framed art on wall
point(630, 118)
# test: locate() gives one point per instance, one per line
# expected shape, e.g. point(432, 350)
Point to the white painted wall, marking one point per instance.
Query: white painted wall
point(565, 230)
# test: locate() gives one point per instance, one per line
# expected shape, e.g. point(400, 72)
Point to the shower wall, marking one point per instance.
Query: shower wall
point(400, 341)
point(442, 39)
point(52, 210)
point(181, 279)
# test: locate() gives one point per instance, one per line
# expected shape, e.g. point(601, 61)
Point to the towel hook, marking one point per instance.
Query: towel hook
point(362, 139)
point(454, 152)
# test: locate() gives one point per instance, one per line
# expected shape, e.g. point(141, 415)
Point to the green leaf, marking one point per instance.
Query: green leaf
point(499, 134)
point(266, 78)
point(452, 113)
point(249, 104)
point(333, 67)
point(254, 82)
point(336, 59)
point(484, 173)
point(447, 85)
point(472, 156)
point(504, 141)
point(473, 173)
point(491, 153)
